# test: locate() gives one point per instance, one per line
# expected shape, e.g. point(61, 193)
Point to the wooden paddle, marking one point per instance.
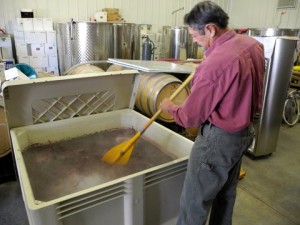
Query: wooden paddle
point(121, 153)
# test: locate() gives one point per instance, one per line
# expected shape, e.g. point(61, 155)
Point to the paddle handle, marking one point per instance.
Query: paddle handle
point(178, 90)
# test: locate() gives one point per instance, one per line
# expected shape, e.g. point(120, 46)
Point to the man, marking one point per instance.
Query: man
point(226, 93)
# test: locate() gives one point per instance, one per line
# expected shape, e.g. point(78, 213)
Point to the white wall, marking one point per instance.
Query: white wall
point(155, 12)
point(263, 14)
point(243, 13)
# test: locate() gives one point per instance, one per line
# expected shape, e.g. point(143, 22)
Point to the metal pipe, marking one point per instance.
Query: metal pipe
point(182, 8)
point(175, 11)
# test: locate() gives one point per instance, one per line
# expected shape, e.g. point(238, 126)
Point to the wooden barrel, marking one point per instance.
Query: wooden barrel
point(85, 68)
point(116, 67)
point(4, 137)
point(153, 88)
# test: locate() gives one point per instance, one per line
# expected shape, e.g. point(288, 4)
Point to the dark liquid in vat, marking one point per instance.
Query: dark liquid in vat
point(68, 166)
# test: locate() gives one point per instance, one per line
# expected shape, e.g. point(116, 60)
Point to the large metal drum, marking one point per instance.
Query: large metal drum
point(80, 42)
point(280, 51)
point(177, 43)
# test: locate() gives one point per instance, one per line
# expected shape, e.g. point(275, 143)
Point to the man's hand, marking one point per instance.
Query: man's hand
point(166, 104)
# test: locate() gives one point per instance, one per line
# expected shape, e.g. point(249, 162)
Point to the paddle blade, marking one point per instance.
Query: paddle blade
point(115, 153)
point(125, 157)
point(121, 152)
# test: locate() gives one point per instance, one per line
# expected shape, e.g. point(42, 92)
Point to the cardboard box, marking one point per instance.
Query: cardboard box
point(111, 11)
point(35, 37)
point(51, 37)
point(53, 70)
point(37, 50)
point(19, 36)
point(113, 17)
point(40, 69)
point(38, 61)
point(19, 25)
point(50, 49)
point(100, 16)
point(48, 24)
point(22, 49)
point(23, 59)
point(41, 37)
point(27, 24)
point(38, 24)
point(29, 36)
point(52, 61)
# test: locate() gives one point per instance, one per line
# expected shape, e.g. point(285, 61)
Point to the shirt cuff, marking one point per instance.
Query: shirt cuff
point(172, 109)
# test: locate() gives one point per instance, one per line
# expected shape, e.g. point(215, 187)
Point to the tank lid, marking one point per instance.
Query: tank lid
point(273, 32)
point(153, 66)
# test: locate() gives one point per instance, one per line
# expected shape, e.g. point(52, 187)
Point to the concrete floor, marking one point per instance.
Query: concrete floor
point(269, 194)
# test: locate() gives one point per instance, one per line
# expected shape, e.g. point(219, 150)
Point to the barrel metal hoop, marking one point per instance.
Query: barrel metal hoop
point(140, 100)
point(158, 90)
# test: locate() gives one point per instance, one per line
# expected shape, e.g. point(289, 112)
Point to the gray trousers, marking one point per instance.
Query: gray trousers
point(212, 176)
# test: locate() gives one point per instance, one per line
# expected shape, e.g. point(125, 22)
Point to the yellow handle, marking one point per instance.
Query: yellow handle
point(297, 68)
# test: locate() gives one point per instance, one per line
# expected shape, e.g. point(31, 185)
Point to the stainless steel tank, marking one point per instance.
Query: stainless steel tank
point(280, 48)
point(80, 42)
point(177, 43)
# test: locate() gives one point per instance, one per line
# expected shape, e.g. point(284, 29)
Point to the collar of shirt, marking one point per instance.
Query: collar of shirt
point(220, 40)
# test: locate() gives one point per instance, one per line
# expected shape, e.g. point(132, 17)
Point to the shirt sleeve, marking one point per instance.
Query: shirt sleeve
point(198, 105)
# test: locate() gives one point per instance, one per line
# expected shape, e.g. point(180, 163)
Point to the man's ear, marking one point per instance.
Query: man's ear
point(211, 30)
